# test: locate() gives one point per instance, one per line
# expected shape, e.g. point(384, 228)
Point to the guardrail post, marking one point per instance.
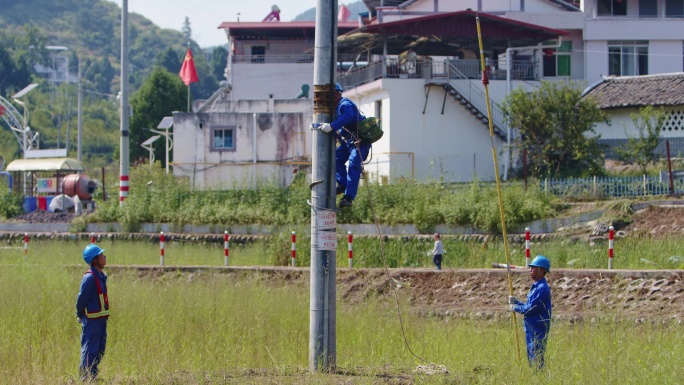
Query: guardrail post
point(611, 240)
point(294, 249)
point(527, 247)
point(226, 247)
point(26, 240)
point(161, 248)
point(350, 239)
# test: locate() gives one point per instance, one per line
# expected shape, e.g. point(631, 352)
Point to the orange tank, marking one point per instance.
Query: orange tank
point(78, 184)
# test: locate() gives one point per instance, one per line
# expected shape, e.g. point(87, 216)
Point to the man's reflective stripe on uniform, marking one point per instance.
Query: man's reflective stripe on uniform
point(104, 301)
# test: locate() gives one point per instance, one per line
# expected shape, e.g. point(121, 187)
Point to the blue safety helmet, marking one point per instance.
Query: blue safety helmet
point(90, 252)
point(338, 87)
point(541, 261)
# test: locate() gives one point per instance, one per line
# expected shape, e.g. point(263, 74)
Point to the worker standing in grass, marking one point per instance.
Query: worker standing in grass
point(351, 150)
point(437, 251)
point(92, 312)
point(536, 311)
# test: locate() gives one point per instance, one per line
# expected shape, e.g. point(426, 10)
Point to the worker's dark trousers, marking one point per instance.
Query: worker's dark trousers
point(93, 343)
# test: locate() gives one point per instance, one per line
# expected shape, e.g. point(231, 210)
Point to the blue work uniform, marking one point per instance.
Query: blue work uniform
point(537, 319)
point(92, 308)
point(344, 126)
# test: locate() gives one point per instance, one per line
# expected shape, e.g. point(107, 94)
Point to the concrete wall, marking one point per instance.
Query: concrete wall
point(279, 130)
point(283, 80)
point(621, 127)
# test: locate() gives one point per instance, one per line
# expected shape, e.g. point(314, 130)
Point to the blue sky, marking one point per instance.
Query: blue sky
point(206, 15)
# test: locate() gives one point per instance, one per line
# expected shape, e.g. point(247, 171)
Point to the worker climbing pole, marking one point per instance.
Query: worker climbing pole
point(485, 82)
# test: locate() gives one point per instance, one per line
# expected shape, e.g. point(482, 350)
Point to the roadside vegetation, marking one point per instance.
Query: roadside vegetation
point(156, 197)
point(205, 328)
point(631, 253)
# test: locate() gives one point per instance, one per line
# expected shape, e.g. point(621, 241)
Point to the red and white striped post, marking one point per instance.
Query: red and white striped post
point(611, 241)
point(226, 247)
point(350, 241)
point(527, 247)
point(26, 244)
point(123, 187)
point(161, 248)
point(92, 237)
point(294, 249)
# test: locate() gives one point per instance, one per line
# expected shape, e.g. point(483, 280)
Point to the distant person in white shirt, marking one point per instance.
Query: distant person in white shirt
point(437, 252)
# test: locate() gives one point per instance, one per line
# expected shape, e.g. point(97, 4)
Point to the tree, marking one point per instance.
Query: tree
point(161, 93)
point(186, 30)
point(169, 60)
point(642, 148)
point(219, 58)
point(556, 127)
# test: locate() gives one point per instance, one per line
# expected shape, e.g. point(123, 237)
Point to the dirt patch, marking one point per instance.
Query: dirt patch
point(578, 295)
point(657, 222)
point(42, 216)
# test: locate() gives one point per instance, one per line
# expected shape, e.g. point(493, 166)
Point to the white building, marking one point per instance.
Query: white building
point(416, 65)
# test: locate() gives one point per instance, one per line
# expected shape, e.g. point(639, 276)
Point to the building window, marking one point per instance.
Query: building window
point(674, 121)
point(223, 138)
point(648, 8)
point(378, 109)
point(556, 61)
point(258, 52)
point(627, 58)
point(674, 8)
point(612, 7)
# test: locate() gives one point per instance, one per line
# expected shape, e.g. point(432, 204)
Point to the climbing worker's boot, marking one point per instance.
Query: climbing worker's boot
point(345, 202)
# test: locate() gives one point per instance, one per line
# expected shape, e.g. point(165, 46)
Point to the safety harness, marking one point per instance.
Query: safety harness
point(104, 301)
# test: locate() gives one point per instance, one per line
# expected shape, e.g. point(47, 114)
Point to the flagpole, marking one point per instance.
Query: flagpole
point(188, 97)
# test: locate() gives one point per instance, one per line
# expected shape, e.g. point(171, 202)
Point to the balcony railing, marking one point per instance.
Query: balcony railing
point(431, 69)
point(292, 58)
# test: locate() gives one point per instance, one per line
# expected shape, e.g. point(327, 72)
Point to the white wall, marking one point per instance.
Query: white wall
point(665, 56)
point(283, 80)
point(281, 136)
point(596, 60)
point(621, 125)
point(453, 145)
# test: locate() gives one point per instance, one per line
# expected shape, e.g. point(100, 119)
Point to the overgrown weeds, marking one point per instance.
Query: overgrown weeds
point(156, 197)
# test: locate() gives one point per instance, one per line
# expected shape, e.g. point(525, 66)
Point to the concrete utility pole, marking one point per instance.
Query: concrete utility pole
point(80, 115)
point(322, 323)
point(125, 109)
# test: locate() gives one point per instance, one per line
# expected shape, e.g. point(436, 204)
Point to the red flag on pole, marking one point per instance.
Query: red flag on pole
point(188, 73)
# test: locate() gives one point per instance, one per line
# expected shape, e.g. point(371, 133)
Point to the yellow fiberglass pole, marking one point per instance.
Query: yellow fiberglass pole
point(485, 82)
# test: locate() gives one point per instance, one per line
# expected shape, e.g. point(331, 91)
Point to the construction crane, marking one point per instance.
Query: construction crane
point(18, 123)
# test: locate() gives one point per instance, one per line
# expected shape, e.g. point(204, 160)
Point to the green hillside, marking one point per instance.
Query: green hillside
point(90, 30)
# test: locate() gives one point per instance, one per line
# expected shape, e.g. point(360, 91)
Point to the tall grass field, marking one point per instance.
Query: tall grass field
point(240, 327)
point(368, 251)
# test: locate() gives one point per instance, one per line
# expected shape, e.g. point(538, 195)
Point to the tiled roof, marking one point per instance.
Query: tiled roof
point(639, 91)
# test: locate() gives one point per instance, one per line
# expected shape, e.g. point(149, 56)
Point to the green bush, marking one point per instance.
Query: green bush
point(10, 205)
point(156, 197)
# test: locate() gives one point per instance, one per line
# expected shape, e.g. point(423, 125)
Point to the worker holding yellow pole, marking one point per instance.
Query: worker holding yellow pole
point(537, 311)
